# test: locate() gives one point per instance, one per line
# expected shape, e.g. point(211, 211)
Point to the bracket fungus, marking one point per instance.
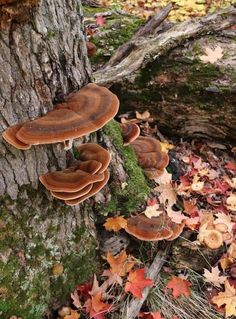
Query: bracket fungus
point(130, 132)
point(150, 156)
point(83, 112)
point(153, 229)
point(82, 180)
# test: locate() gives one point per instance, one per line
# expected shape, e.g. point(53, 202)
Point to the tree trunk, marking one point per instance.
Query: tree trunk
point(47, 248)
point(42, 59)
point(162, 71)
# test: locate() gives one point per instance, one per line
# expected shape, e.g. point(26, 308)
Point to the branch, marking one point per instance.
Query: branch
point(134, 306)
point(144, 50)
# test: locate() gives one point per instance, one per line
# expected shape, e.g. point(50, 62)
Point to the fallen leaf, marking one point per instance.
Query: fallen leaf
point(227, 298)
point(137, 282)
point(115, 223)
point(112, 278)
point(212, 55)
point(214, 276)
point(167, 194)
point(120, 264)
point(100, 21)
point(166, 146)
point(73, 315)
point(231, 166)
point(165, 178)
point(153, 211)
point(142, 116)
point(179, 287)
point(176, 217)
point(76, 301)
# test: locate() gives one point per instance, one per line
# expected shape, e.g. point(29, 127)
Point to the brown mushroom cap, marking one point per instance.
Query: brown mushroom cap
point(149, 160)
point(149, 229)
point(84, 112)
point(97, 186)
point(92, 151)
point(130, 132)
point(10, 136)
point(213, 239)
point(146, 145)
point(90, 166)
point(177, 230)
point(153, 173)
point(68, 180)
point(66, 196)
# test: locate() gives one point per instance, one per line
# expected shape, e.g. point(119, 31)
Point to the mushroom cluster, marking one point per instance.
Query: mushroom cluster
point(130, 132)
point(153, 229)
point(150, 156)
point(82, 180)
point(84, 112)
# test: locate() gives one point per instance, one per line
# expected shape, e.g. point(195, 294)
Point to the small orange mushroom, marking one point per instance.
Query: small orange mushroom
point(130, 132)
point(213, 239)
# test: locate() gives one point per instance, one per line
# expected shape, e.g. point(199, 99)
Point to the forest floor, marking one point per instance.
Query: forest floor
point(197, 189)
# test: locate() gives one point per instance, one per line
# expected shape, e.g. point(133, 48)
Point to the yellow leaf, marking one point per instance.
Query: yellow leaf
point(115, 223)
point(142, 116)
point(165, 146)
point(227, 298)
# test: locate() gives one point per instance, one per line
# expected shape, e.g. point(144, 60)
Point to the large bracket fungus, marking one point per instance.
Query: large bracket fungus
point(150, 156)
point(84, 112)
point(130, 132)
point(153, 229)
point(84, 179)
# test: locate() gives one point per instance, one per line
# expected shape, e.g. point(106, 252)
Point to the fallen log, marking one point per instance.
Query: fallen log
point(165, 73)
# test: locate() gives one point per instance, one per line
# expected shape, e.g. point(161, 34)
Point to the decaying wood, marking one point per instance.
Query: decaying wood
point(146, 30)
point(133, 307)
point(145, 50)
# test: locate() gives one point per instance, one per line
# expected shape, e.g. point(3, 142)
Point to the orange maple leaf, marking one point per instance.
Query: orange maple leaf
point(73, 315)
point(137, 282)
point(95, 307)
point(115, 223)
point(231, 166)
point(179, 286)
point(121, 264)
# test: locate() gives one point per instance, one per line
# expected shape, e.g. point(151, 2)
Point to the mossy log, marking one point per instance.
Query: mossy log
point(47, 248)
point(164, 73)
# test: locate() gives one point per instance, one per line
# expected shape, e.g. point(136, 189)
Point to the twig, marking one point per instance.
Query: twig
point(133, 307)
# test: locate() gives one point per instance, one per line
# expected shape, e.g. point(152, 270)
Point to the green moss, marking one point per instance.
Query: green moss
point(30, 246)
point(131, 195)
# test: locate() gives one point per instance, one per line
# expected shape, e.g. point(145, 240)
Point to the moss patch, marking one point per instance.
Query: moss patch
point(33, 238)
point(136, 190)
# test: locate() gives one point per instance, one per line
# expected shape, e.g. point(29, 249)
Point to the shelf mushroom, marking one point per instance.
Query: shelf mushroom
point(84, 179)
point(150, 156)
point(153, 229)
point(84, 112)
point(130, 132)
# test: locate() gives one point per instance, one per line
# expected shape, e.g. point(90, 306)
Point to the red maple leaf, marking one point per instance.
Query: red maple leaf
point(100, 20)
point(231, 166)
point(137, 282)
point(179, 287)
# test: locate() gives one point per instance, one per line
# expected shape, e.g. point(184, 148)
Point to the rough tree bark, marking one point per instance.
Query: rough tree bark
point(47, 248)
